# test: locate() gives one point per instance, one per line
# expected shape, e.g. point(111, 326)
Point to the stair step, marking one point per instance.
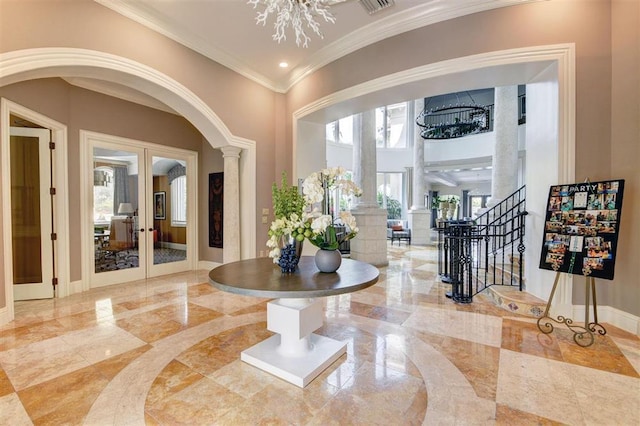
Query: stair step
point(516, 301)
point(505, 270)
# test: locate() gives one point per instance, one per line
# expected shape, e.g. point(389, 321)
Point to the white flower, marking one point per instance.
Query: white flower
point(320, 224)
point(349, 221)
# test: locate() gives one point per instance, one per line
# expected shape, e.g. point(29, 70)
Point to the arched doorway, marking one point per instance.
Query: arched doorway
point(31, 64)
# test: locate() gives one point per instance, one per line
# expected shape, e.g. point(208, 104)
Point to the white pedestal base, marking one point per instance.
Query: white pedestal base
point(298, 371)
point(294, 354)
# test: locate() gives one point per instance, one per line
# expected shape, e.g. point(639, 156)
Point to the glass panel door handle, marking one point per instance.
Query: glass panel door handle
point(141, 229)
point(150, 229)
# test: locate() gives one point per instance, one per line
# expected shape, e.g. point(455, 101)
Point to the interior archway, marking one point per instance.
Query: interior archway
point(549, 70)
point(31, 64)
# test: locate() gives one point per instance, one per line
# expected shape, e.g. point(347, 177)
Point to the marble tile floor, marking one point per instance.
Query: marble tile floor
point(165, 351)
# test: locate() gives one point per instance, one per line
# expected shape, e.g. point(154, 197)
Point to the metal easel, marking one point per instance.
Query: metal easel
point(582, 335)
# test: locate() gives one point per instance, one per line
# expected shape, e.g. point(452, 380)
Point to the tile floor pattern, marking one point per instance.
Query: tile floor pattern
point(165, 351)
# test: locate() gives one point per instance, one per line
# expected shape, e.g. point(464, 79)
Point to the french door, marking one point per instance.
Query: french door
point(31, 213)
point(142, 210)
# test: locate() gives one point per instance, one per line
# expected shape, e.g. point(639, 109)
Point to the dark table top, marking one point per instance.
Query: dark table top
point(262, 278)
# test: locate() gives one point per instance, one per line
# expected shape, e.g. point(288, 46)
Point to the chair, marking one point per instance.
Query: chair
point(398, 230)
point(119, 243)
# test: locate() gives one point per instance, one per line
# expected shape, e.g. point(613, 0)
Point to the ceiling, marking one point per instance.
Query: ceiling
point(226, 32)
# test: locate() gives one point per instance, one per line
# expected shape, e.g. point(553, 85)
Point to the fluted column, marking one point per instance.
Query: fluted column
point(370, 245)
point(231, 204)
point(504, 175)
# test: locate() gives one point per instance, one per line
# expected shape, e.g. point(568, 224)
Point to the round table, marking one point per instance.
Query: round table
point(295, 353)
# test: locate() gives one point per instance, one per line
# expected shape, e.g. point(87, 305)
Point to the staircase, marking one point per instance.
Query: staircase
point(510, 297)
point(484, 256)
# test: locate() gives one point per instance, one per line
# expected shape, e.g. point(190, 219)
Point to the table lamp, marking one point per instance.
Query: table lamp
point(126, 209)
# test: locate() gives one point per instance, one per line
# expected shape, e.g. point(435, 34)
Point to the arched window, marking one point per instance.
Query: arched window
point(179, 201)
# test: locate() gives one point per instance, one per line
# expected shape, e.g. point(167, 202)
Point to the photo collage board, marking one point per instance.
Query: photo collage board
point(582, 227)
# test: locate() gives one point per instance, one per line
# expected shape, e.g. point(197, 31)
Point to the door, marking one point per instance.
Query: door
point(170, 186)
point(143, 211)
point(31, 213)
point(118, 214)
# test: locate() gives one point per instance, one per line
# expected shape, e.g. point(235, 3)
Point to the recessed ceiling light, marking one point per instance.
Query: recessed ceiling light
point(283, 64)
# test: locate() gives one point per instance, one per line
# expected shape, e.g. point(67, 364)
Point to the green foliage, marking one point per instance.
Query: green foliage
point(286, 199)
point(394, 208)
point(435, 202)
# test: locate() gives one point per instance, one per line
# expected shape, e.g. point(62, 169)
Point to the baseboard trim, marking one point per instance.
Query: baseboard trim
point(5, 316)
point(75, 287)
point(208, 265)
point(623, 320)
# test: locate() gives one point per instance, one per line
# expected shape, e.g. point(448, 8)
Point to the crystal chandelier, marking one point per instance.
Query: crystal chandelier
point(301, 15)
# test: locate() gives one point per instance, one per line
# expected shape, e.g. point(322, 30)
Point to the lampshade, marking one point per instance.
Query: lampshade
point(125, 208)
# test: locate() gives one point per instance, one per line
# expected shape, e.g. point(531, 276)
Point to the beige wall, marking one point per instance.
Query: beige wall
point(624, 291)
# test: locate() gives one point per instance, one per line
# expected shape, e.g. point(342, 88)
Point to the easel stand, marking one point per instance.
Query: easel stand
point(583, 336)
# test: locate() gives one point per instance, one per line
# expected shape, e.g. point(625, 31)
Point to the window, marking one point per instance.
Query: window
point(179, 201)
point(391, 194)
point(340, 131)
point(391, 125)
point(102, 194)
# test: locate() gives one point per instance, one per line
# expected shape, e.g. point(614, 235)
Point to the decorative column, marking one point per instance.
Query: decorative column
point(504, 175)
point(231, 205)
point(419, 215)
point(370, 245)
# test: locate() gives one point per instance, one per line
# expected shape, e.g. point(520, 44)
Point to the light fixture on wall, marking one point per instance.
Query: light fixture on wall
point(453, 121)
point(296, 14)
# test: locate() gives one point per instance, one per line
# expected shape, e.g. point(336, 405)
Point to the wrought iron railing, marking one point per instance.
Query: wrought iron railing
point(475, 254)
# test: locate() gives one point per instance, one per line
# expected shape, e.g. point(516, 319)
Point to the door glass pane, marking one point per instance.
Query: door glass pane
point(25, 209)
point(115, 210)
point(169, 210)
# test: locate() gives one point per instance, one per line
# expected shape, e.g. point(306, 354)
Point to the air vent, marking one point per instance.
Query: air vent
point(373, 6)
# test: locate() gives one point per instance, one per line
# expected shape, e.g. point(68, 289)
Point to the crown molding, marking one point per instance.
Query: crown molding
point(428, 13)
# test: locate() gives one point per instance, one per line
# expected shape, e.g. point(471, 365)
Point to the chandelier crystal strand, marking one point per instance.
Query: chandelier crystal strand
point(295, 13)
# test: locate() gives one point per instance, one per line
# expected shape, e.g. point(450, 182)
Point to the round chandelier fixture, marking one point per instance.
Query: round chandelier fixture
point(453, 121)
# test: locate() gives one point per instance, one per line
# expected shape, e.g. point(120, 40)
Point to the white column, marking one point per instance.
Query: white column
point(419, 215)
point(365, 165)
point(504, 175)
point(370, 245)
point(231, 204)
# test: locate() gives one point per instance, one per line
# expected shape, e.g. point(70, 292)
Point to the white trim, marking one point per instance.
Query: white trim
point(87, 141)
point(30, 64)
point(59, 134)
point(563, 53)
point(5, 315)
point(76, 287)
point(608, 314)
point(207, 265)
point(425, 14)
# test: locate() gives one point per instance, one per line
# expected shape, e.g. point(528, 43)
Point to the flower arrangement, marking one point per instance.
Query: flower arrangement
point(297, 219)
point(321, 229)
point(288, 207)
